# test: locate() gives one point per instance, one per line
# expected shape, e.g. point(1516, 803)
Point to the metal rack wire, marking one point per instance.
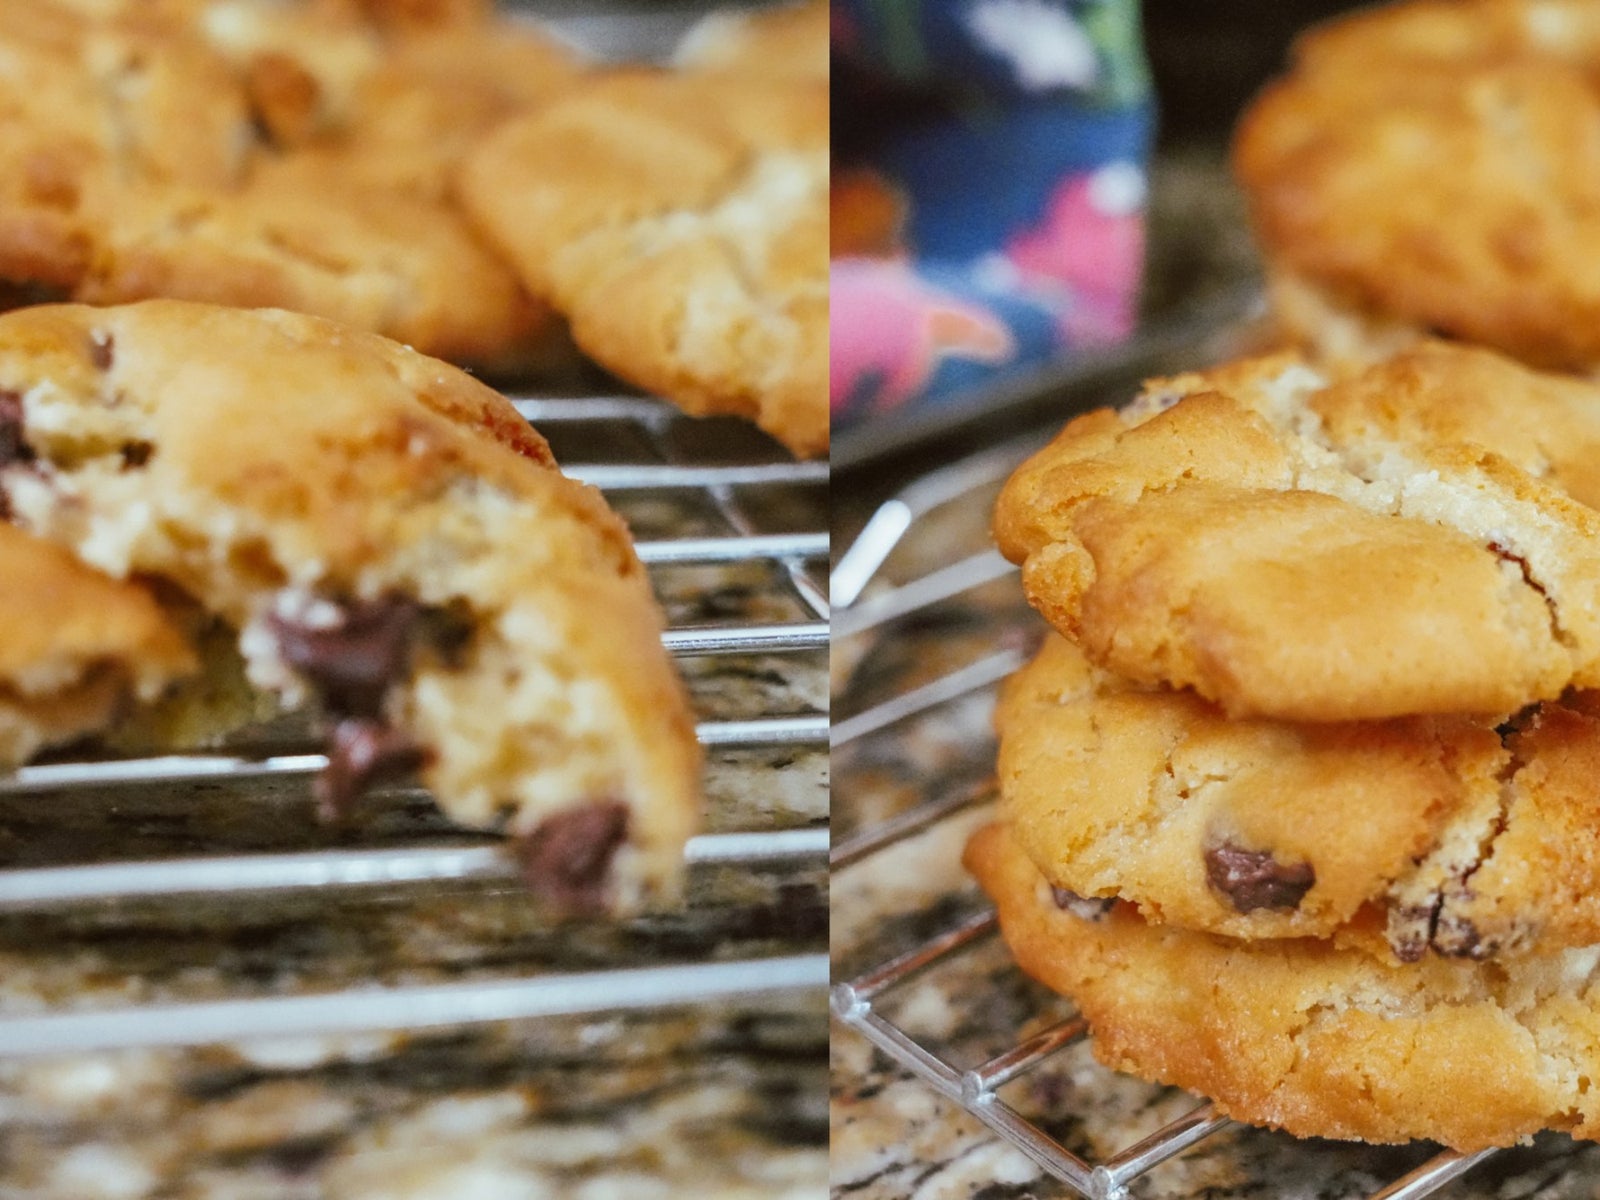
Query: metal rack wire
point(855, 1001)
point(659, 434)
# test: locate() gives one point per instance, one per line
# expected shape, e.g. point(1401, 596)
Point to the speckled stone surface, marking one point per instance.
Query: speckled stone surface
point(893, 1137)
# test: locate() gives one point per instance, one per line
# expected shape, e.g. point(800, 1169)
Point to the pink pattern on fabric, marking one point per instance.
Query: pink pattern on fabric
point(885, 322)
point(1087, 253)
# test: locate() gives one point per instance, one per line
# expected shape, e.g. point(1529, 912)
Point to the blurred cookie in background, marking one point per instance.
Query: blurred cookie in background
point(678, 219)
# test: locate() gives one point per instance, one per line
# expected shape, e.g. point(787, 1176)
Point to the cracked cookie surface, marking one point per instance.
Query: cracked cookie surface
point(1297, 549)
point(679, 221)
point(1433, 166)
point(249, 153)
point(387, 536)
point(1311, 1038)
point(1455, 835)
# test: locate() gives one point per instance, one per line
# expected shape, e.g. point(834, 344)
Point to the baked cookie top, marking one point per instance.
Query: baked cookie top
point(384, 535)
point(1457, 835)
point(385, 95)
point(1222, 533)
point(1439, 394)
point(1308, 1037)
point(680, 222)
point(785, 40)
point(1437, 163)
point(249, 153)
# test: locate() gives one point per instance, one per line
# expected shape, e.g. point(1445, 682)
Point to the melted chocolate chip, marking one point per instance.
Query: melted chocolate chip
point(1086, 908)
point(567, 858)
point(12, 448)
point(1410, 929)
point(362, 751)
point(1253, 879)
point(1457, 937)
point(354, 661)
point(136, 454)
point(102, 350)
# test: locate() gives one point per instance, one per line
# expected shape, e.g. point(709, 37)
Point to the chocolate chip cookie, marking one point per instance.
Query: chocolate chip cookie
point(386, 537)
point(1313, 1038)
point(1295, 548)
point(1466, 837)
point(680, 222)
point(1431, 167)
point(382, 95)
point(241, 152)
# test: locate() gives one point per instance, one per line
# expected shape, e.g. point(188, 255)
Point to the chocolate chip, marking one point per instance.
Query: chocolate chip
point(1086, 908)
point(567, 858)
point(1253, 879)
point(361, 751)
point(102, 349)
point(136, 454)
point(1457, 937)
point(12, 447)
point(1410, 929)
point(355, 660)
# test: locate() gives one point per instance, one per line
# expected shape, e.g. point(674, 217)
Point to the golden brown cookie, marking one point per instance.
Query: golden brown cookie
point(300, 237)
point(1221, 534)
point(1307, 1037)
point(78, 647)
point(379, 94)
point(1433, 166)
point(231, 151)
point(788, 41)
point(387, 536)
point(680, 222)
point(1459, 837)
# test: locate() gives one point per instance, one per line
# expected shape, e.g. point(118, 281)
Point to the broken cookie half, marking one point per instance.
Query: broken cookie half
point(387, 538)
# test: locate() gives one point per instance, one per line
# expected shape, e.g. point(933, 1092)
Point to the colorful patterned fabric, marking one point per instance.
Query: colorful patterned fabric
point(988, 206)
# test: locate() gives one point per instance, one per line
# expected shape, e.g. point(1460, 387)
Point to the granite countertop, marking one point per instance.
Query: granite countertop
point(725, 1100)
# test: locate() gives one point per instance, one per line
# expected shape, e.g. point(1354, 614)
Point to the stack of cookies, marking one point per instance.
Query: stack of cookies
point(1301, 801)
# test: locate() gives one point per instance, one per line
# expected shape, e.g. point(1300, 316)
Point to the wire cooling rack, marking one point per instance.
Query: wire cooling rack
point(864, 611)
point(757, 508)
